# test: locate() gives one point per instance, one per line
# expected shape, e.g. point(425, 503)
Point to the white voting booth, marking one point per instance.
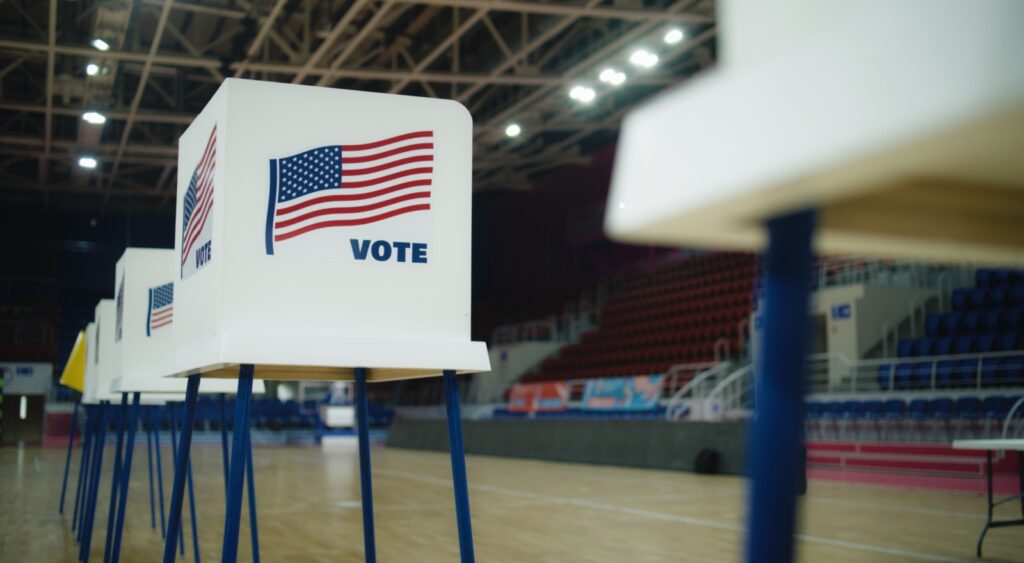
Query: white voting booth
point(144, 335)
point(862, 121)
point(324, 234)
point(89, 383)
point(101, 361)
point(320, 230)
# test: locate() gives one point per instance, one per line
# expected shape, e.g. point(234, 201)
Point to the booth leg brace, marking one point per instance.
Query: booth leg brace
point(459, 480)
point(181, 470)
point(67, 460)
point(365, 478)
point(237, 469)
point(775, 447)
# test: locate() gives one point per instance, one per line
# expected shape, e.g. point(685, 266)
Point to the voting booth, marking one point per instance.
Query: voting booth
point(323, 234)
point(101, 361)
point(320, 230)
point(826, 123)
point(144, 336)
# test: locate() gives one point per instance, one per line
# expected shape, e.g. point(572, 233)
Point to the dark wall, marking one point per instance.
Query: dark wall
point(57, 265)
point(632, 443)
point(534, 250)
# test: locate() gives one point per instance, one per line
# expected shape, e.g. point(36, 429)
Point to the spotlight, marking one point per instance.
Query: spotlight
point(94, 117)
point(643, 58)
point(87, 162)
point(100, 44)
point(513, 130)
point(92, 69)
point(582, 94)
point(673, 36)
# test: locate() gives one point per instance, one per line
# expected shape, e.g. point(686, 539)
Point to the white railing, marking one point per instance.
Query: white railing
point(835, 373)
point(734, 395)
point(677, 405)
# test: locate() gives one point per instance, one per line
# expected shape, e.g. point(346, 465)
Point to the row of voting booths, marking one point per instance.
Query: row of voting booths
point(320, 234)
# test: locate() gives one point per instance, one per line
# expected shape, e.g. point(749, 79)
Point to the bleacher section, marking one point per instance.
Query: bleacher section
point(988, 318)
point(672, 315)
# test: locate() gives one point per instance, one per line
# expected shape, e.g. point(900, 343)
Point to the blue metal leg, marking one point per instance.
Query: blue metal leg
point(254, 535)
point(95, 416)
point(83, 465)
point(97, 466)
point(224, 438)
point(236, 474)
point(149, 456)
point(126, 475)
point(459, 481)
point(172, 423)
point(159, 468)
point(67, 461)
point(112, 513)
point(192, 513)
point(365, 479)
point(180, 470)
point(775, 442)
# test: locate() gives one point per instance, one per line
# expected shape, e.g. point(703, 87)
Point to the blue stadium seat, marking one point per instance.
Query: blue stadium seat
point(921, 347)
point(991, 407)
point(943, 346)
point(894, 409)
point(918, 409)
point(904, 376)
point(1000, 276)
point(885, 372)
point(942, 408)
point(970, 321)
point(932, 324)
point(968, 408)
point(985, 343)
point(950, 324)
point(1013, 318)
point(1013, 371)
point(946, 374)
point(997, 296)
point(903, 349)
point(1016, 295)
point(963, 345)
point(1008, 341)
point(983, 277)
point(977, 297)
point(991, 372)
point(992, 320)
point(959, 299)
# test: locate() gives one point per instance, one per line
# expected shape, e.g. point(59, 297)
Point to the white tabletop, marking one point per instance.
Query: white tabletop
point(993, 444)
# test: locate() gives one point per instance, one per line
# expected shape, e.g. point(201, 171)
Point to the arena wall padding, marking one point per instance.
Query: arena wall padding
point(632, 443)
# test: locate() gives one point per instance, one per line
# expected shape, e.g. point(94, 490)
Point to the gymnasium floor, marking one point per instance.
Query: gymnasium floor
point(523, 511)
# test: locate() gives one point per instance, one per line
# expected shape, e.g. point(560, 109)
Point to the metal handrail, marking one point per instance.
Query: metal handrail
point(675, 405)
point(727, 383)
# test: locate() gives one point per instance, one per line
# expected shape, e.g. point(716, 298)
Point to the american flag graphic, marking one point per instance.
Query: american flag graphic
point(349, 185)
point(198, 198)
point(161, 307)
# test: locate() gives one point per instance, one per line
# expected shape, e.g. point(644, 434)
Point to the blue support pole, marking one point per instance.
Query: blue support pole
point(126, 475)
point(192, 512)
point(775, 444)
point(180, 470)
point(254, 535)
point(154, 416)
point(365, 479)
point(115, 477)
point(149, 456)
point(95, 417)
point(459, 481)
point(224, 438)
point(97, 466)
point(67, 461)
point(83, 465)
point(236, 472)
point(173, 425)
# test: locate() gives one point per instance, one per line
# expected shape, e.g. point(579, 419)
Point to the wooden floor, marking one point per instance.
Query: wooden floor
point(523, 511)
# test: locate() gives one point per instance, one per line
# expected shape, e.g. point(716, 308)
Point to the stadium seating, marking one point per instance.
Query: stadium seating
point(674, 314)
point(985, 319)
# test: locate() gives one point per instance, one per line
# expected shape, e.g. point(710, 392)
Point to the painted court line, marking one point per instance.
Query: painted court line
point(669, 517)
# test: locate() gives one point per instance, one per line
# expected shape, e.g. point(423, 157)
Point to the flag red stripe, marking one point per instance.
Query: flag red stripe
point(351, 222)
point(389, 141)
point(385, 166)
point(388, 178)
point(162, 314)
point(160, 324)
point(385, 154)
point(194, 236)
point(343, 210)
point(353, 197)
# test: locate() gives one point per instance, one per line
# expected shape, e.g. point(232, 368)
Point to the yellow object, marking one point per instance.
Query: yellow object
point(73, 375)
